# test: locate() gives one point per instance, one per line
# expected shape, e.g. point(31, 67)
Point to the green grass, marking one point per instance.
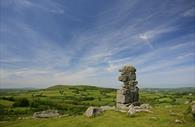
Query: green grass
point(74, 100)
point(6, 103)
point(107, 119)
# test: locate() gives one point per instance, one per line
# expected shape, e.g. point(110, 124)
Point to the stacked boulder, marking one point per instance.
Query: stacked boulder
point(129, 93)
point(127, 99)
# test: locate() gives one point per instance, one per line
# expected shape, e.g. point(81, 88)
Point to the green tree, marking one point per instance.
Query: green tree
point(21, 103)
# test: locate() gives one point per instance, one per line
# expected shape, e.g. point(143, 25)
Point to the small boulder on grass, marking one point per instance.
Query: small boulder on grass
point(146, 106)
point(142, 108)
point(153, 118)
point(178, 121)
point(93, 111)
point(46, 114)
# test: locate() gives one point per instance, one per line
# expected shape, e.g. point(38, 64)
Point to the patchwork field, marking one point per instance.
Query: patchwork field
point(18, 106)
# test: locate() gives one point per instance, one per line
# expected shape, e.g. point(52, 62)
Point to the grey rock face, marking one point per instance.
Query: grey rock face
point(122, 96)
point(93, 111)
point(46, 114)
point(129, 93)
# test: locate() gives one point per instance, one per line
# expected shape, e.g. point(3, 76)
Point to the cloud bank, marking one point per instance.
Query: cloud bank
point(59, 42)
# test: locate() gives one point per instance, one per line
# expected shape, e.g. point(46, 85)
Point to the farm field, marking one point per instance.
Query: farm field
point(18, 106)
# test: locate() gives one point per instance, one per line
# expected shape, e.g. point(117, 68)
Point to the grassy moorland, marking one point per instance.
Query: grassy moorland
point(17, 107)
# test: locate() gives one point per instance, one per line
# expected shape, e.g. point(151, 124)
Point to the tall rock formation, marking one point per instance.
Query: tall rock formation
point(129, 93)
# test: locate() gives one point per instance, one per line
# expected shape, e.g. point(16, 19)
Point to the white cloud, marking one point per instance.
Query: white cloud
point(171, 77)
point(146, 38)
point(48, 5)
point(189, 12)
point(186, 55)
point(97, 50)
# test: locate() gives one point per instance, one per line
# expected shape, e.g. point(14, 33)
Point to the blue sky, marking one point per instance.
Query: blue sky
point(48, 42)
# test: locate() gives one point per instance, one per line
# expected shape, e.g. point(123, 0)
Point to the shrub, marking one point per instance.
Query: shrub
point(21, 103)
point(166, 100)
point(34, 104)
point(86, 98)
point(8, 98)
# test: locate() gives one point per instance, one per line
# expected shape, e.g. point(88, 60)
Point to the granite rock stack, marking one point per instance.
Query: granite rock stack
point(129, 93)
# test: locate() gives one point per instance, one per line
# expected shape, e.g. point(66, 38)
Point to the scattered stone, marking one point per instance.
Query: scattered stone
point(123, 106)
point(178, 121)
point(46, 114)
point(143, 108)
point(132, 106)
point(131, 111)
point(186, 102)
point(153, 118)
point(193, 102)
point(93, 111)
point(174, 114)
point(137, 107)
point(134, 109)
point(104, 108)
point(146, 106)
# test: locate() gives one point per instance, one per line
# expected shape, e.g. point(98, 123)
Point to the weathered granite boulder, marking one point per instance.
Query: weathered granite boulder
point(178, 121)
point(124, 107)
point(131, 111)
point(143, 108)
point(146, 106)
point(93, 111)
point(46, 114)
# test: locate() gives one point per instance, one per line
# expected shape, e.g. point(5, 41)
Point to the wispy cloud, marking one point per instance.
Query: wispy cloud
point(44, 5)
point(190, 12)
point(158, 43)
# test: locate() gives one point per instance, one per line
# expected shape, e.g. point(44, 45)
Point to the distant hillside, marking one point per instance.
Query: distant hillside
point(58, 87)
point(182, 89)
point(15, 89)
